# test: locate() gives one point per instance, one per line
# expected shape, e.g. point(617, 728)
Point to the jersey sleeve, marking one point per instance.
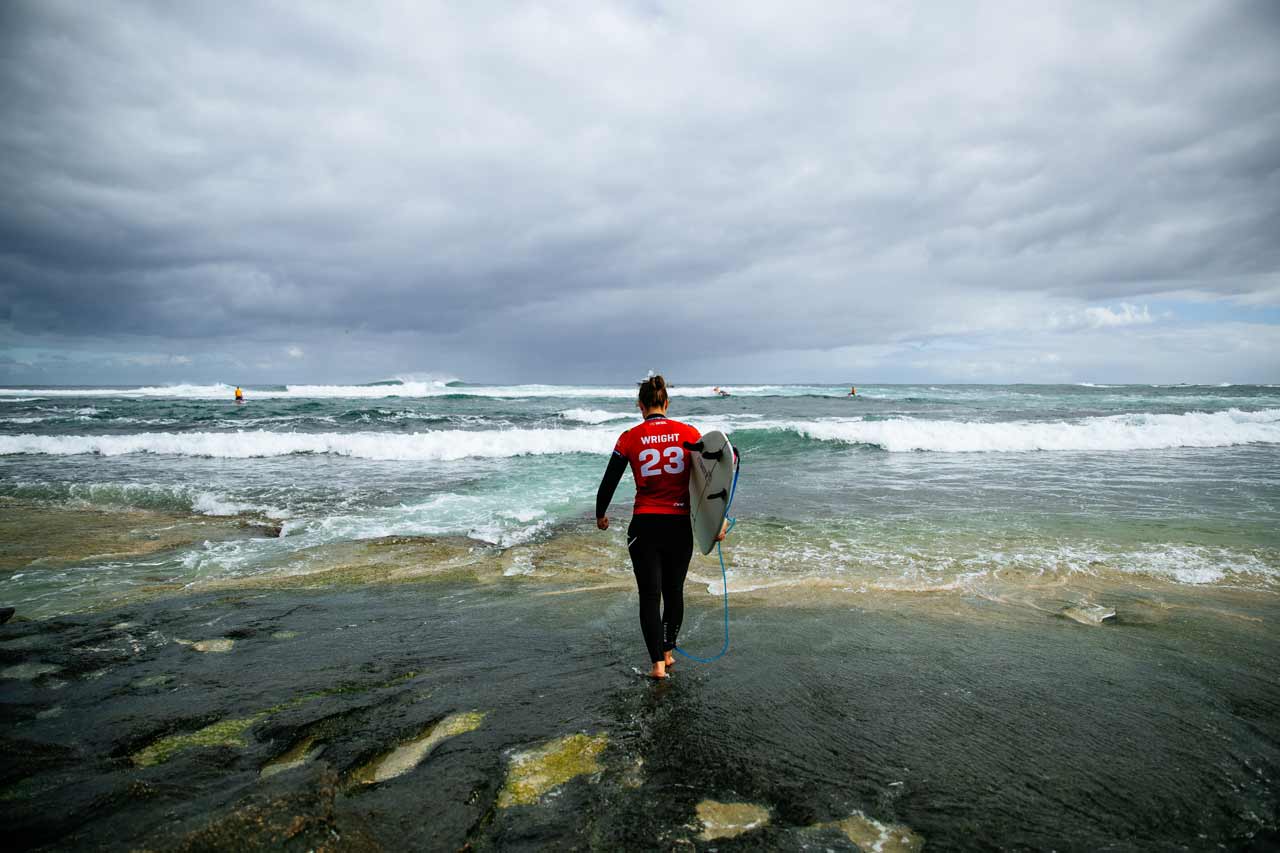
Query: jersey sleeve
point(621, 446)
point(609, 483)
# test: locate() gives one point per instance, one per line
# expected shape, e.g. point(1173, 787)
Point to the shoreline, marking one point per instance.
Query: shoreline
point(95, 558)
point(970, 726)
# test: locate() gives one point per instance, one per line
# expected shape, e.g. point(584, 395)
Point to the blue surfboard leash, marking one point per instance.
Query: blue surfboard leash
point(724, 576)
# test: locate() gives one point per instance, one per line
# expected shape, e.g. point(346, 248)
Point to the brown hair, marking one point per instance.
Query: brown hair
point(653, 393)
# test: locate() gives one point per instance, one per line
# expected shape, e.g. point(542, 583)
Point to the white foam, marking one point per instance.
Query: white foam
point(595, 416)
point(193, 391)
point(524, 516)
point(220, 391)
point(440, 445)
point(1110, 433)
point(208, 503)
point(479, 517)
point(521, 564)
point(419, 388)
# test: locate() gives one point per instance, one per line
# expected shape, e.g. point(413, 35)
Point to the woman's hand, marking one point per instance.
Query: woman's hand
point(724, 529)
point(603, 522)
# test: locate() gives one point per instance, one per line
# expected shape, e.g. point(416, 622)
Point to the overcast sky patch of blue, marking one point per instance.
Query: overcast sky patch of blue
point(1221, 311)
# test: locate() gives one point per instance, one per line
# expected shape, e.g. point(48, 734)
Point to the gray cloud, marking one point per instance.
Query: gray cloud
point(565, 190)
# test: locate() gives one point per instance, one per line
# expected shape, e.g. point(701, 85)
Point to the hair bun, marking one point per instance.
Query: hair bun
point(653, 392)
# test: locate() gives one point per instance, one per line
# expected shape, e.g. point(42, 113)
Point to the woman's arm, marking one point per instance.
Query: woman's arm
point(612, 475)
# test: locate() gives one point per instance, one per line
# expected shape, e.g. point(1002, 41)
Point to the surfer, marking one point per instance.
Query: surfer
point(719, 392)
point(659, 539)
point(239, 395)
point(853, 392)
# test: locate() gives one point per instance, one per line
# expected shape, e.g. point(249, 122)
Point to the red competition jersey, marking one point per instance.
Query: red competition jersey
point(659, 463)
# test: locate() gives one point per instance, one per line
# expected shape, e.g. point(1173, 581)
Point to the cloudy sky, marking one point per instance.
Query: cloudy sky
point(580, 191)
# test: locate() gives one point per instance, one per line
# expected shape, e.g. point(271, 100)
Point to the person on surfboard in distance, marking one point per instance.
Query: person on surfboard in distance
point(239, 395)
point(659, 539)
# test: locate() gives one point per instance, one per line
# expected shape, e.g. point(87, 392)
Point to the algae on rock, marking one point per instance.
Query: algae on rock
point(536, 771)
point(411, 753)
point(216, 646)
point(727, 820)
point(296, 756)
point(870, 834)
point(221, 733)
point(231, 732)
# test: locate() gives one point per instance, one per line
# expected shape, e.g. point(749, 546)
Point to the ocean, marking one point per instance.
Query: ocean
point(966, 488)
point(961, 617)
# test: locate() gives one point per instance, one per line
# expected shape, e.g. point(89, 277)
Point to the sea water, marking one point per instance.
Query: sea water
point(970, 490)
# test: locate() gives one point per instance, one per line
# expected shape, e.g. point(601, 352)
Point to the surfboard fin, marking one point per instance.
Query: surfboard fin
point(701, 448)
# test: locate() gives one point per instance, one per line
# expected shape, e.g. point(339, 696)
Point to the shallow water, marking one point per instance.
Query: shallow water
point(970, 726)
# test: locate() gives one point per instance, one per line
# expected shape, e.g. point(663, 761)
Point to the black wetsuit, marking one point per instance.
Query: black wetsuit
point(660, 547)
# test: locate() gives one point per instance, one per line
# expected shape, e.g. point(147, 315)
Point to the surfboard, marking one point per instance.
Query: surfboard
point(710, 479)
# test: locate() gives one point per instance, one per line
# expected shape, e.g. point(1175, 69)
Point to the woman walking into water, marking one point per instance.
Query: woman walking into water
point(659, 539)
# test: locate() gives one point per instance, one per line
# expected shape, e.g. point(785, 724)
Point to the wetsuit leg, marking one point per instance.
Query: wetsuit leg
point(675, 566)
point(660, 548)
point(644, 544)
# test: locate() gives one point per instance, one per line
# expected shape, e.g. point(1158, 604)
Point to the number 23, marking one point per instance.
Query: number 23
point(650, 457)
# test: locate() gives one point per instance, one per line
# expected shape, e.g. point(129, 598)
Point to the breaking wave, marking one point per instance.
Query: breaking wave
point(1109, 433)
point(221, 391)
point(897, 435)
point(595, 416)
point(417, 388)
point(441, 445)
point(148, 496)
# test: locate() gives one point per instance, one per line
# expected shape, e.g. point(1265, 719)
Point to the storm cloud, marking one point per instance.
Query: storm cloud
point(581, 191)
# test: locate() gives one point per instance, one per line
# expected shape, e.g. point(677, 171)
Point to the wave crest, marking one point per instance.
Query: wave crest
point(594, 416)
point(1109, 433)
point(441, 445)
point(897, 435)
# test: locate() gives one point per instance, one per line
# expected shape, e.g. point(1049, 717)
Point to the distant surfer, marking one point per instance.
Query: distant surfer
point(853, 392)
point(719, 392)
point(659, 539)
point(239, 395)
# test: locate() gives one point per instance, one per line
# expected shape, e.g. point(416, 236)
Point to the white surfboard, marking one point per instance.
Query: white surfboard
point(710, 479)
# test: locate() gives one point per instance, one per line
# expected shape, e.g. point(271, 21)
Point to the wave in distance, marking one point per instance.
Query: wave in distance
point(413, 389)
point(1111, 433)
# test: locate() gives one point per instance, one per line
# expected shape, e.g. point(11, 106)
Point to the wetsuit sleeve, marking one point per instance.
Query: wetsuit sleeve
point(612, 475)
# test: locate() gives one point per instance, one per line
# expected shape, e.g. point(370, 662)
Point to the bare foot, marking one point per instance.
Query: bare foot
point(668, 659)
point(659, 670)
